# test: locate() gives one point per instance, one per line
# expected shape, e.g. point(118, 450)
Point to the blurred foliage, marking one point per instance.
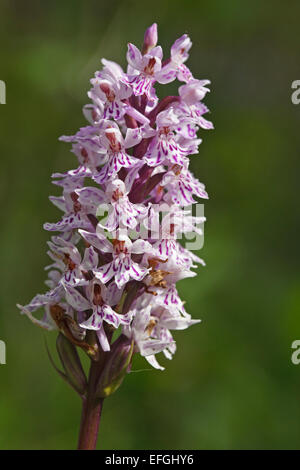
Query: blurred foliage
point(231, 383)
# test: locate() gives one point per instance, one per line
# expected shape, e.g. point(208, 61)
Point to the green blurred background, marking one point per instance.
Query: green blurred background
point(231, 384)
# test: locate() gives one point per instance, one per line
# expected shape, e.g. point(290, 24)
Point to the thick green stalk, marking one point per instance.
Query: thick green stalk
point(91, 411)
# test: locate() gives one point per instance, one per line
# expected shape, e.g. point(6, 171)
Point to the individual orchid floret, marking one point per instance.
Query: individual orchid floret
point(117, 156)
point(108, 92)
point(164, 272)
point(179, 55)
point(167, 246)
point(68, 259)
point(169, 299)
point(174, 67)
point(88, 148)
point(58, 315)
point(122, 212)
point(165, 222)
point(76, 214)
point(100, 298)
point(194, 91)
point(145, 70)
point(180, 49)
point(164, 149)
point(190, 109)
point(122, 268)
point(140, 331)
point(182, 186)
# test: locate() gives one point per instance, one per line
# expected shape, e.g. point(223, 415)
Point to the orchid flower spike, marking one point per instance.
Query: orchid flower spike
point(115, 261)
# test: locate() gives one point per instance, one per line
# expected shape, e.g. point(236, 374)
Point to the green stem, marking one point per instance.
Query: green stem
point(91, 412)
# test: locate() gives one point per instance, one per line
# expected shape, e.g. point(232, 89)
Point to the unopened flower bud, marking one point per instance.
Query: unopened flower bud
point(150, 38)
point(116, 367)
point(71, 363)
point(194, 91)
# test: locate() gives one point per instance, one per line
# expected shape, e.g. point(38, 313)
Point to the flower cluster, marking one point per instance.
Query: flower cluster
point(134, 154)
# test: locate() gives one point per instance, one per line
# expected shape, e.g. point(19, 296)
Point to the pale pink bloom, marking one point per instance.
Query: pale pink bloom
point(118, 158)
point(100, 298)
point(145, 70)
point(109, 92)
point(164, 148)
point(121, 212)
point(122, 268)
